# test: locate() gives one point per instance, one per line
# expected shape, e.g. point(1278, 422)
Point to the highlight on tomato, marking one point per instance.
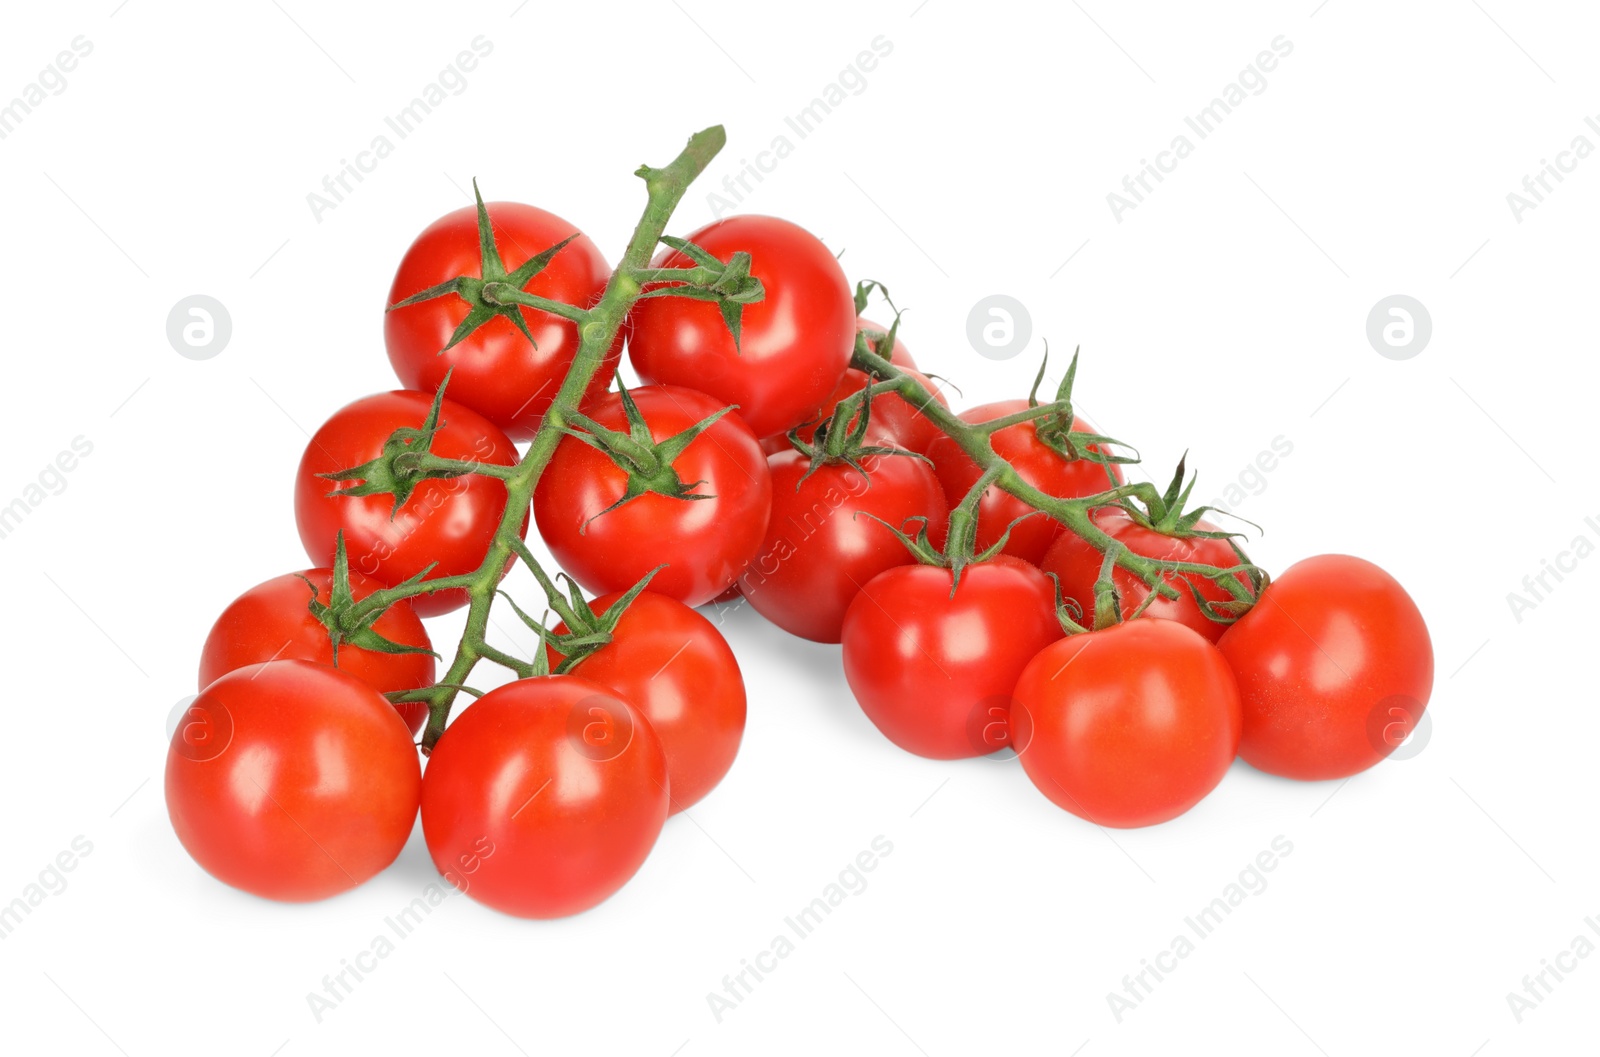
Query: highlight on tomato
point(1335, 668)
point(556, 787)
point(1129, 725)
point(292, 780)
point(933, 663)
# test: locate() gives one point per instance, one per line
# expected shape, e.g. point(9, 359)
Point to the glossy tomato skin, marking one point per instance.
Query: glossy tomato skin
point(822, 546)
point(1128, 726)
point(1335, 667)
point(1076, 563)
point(1035, 461)
point(553, 788)
point(450, 521)
point(292, 780)
point(496, 371)
point(675, 667)
point(935, 674)
point(273, 621)
point(794, 343)
point(705, 542)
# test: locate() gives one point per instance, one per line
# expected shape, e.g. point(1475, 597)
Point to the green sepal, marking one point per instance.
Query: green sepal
point(647, 462)
point(397, 470)
point(336, 614)
point(492, 269)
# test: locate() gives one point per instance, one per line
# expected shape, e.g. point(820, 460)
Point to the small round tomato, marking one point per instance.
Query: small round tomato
point(545, 796)
point(450, 521)
point(1128, 726)
point(676, 668)
point(822, 546)
point(1335, 667)
point(273, 621)
point(705, 543)
point(1035, 461)
point(495, 370)
point(1076, 563)
point(793, 344)
point(292, 781)
point(934, 672)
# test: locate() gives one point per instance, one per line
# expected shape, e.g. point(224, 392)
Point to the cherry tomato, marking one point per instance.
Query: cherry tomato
point(450, 521)
point(794, 343)
point(496, 370)
point(1335, 667)
point(935, 673)
point(705, 542)
point(1128, 726)
point(822, 547)
point(1077, 564)
point(292, 780)
point(553, 790)
point(675, 667)
point(273, 621)
point(1035, 461)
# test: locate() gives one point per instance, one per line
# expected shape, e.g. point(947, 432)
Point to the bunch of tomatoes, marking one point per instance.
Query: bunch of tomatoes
point(994, 581)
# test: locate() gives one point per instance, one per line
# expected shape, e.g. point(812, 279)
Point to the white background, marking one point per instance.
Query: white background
point(1226, 310)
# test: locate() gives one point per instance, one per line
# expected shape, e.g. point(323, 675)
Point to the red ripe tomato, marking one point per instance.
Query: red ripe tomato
point(1128, 726)
point(705, 542)
point(900, 356)
point(292, 781)
point(1335, 667)
point(1035, 461)
point(935, 673)
point(498, 372)
point(273, 621)
point(1077, 564)
point(446, 520)
point(822, 548)
point(794, 343)
point(676, 668)
point(545, 796)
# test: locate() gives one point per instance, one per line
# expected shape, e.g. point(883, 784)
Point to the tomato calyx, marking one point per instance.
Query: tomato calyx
point(495, 291)
point(587, 631)
point(729, 284)
point(1166, 514)
point(406, 462)
point(647, 462)
point(1053, 423)
point(843, 437)
point(346, 623)
point(960, 547)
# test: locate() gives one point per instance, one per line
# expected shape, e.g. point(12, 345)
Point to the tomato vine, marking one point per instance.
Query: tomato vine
point(731, 286)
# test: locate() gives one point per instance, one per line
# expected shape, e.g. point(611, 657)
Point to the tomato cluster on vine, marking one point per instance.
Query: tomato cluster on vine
point(994, 580)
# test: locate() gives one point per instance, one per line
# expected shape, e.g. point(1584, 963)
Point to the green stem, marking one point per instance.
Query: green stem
point(597, 329)
point(1073, 513)
point(506, 294)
